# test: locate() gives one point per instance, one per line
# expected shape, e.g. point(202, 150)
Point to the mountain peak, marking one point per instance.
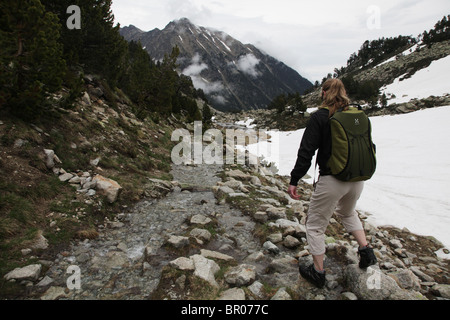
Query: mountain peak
point(183, 21)
point(232, 75)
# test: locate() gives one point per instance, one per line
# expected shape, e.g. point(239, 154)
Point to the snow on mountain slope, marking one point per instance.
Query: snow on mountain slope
point(433, 80)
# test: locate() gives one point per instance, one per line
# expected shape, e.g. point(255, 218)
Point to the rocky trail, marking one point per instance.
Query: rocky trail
point(128, 257)
point(231, 233)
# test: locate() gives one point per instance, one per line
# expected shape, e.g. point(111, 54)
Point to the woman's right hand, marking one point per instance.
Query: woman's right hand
point(292, 191)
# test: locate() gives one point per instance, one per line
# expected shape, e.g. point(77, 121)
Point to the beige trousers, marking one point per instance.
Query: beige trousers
point(331, 195)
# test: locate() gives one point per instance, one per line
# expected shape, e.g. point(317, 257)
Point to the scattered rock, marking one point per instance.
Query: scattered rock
point(201, 234)
point(269, 246)
point(441, 290)
point(54, 293)
point(372, 284)
point(182, 263)
point(233, 294)
point(241, 275)
point(205, 269)
point(281, 295)
point(215, 255)
point(40, 243)
point(178, 241)
point(200, 219)
point(30, 272)
point(107, 187)
point(348, 296)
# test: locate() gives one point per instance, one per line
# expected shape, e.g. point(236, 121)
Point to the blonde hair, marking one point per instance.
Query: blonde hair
point(335, 95)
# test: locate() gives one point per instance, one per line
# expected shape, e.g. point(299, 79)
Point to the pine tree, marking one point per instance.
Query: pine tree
point(135, 80)
point(206, 114)
point(98, 46)
point(31, 61)
point(164, 83)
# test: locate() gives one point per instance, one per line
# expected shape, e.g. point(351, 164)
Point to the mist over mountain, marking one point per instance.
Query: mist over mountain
point(234, 76)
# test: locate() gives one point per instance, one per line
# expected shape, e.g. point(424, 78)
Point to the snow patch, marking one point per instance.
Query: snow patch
point(426, 82)
point(410, 187)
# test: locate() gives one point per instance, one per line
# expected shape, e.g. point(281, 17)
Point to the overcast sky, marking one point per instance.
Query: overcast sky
point(312, 37)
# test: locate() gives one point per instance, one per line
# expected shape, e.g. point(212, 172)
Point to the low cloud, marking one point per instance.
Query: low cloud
point(247, 64)
point(194, 71)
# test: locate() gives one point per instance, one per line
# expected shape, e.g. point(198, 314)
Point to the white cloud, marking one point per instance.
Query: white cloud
point(194, 71)
point(311, 37)
point(195, 68)
point(247, 64)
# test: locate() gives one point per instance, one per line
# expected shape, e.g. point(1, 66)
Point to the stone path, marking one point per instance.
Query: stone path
point(193, 229)
point(126, 260)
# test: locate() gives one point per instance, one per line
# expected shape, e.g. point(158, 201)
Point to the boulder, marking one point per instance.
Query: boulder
point(441, 290)
point(200, 219)
point(178, 241)
point(241, 275)
point(182, 263)
point(107, 187)
point(201, 234)
point(205, 269)
point(30, 272)
point(373, 284)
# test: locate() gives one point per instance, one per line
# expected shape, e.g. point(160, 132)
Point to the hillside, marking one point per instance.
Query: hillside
point(68, 176)
point(404, 79)
point(83, 128)
point(234, 76)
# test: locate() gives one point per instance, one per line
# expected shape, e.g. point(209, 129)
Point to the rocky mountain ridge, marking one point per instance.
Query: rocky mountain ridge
point(233, 75)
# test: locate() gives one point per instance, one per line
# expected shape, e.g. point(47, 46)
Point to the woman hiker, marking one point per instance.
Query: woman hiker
point(330, 194)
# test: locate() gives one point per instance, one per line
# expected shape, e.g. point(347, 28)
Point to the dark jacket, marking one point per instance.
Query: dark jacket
point(317, 135)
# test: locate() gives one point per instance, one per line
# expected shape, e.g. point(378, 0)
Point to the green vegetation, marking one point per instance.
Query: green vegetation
point(40, 55)
point(291, 101)
point(440, 32)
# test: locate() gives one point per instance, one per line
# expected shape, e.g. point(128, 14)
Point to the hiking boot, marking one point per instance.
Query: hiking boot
point(366, 257)
point(310, 274)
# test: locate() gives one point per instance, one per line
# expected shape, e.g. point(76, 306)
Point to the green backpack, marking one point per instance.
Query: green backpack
point(352, 150)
